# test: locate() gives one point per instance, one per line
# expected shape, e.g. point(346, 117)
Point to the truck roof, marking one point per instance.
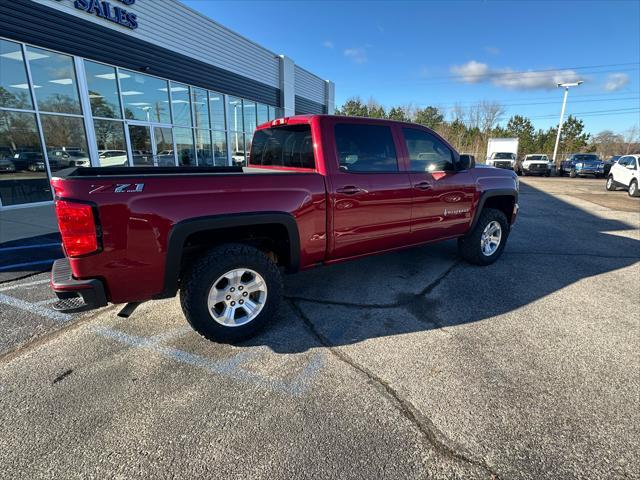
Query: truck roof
point(308, 118)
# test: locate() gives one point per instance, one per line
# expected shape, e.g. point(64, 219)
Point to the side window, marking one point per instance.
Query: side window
point(426, 152)
point(365, 148)
point(624, 161)
point(633, 162)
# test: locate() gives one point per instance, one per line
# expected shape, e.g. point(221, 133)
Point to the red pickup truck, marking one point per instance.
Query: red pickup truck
point(318, 189)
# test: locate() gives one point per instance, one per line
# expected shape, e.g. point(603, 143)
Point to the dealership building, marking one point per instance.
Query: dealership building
point(131, 82)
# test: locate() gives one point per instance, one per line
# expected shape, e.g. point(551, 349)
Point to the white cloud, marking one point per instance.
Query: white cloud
point(615, 81)
point(476, 72)
point(328, 44)
point(492, 50)
point(358, 55)
point(471, 72)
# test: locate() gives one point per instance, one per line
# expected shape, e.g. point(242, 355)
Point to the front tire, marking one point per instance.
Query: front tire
point(610, 185)
point(231, 293)
point(633, 189)
point(485, 243)
point(573, 174)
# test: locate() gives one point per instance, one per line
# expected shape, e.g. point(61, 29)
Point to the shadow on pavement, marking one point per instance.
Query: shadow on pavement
point(553, 245)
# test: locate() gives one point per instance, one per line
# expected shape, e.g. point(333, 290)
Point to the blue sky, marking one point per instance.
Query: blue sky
point(460, 52)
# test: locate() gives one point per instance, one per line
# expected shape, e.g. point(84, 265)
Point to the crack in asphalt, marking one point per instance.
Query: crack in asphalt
point(424, 424)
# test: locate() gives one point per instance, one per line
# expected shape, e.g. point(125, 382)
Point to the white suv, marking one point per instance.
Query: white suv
point(625, 173)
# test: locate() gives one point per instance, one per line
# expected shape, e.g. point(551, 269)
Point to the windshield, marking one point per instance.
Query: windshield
point(534, 157)
point(504, 156)
point(586, 158)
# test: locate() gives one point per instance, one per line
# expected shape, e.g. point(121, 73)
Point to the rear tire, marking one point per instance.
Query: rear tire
point(471, 245)
point(610, 185)
point(633, 189)
point(202, 283)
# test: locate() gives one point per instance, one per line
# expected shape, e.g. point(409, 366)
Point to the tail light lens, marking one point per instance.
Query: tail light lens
point(77, 227)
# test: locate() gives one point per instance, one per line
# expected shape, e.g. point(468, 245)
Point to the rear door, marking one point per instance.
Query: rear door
point(442, 195)
point(370, 191)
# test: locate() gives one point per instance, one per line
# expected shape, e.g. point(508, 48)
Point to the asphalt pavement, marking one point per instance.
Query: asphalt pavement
point(412, 364)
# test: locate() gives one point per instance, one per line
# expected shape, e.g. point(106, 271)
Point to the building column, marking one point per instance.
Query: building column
point(287, 86)
point(330, 96)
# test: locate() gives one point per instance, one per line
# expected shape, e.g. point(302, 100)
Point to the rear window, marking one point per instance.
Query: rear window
point(290, 146)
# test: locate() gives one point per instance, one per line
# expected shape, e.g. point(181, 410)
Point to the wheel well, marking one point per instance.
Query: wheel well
point(504, 203)
point(272, 239)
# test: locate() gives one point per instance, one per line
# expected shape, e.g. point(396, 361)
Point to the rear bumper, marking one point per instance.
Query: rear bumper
point(66, 287)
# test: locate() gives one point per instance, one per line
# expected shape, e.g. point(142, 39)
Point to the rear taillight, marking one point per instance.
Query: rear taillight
point(77, 227)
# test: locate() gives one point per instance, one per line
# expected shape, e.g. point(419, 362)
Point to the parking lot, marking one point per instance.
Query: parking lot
point(404, 365)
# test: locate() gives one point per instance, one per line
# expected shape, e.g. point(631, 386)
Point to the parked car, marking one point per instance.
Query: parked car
point(69, 158)
point(534, 164)
point(113, 158)
point(581, 164)
point(6, 165)
point(625, 173)
point(32, 161)
point(319, 189)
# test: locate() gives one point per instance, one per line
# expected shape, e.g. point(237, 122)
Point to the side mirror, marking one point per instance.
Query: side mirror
point(467, 161)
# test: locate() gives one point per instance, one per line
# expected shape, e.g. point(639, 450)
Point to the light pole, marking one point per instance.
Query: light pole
point(564, 104)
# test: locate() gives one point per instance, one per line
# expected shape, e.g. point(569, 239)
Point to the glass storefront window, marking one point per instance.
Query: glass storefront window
point(216, 103)
point(220, 148)
point(204, 148)
point(181, 104)
point(23, 177)
point(140, 136)
point(65, 141)
point(272, 113)
point(238, 155)
point(249, 116)
point(263, 113)
point(200, 105)
point(112, 146)
point(184, 147)
point(236, 121)
point(163, 137)
point(54, 81)
point(102, 85)
point(14, 87)
point(145, 98)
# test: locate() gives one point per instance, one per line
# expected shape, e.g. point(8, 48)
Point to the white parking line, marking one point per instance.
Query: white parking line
point(24, 285)
point(230, 367)
point(33, 308)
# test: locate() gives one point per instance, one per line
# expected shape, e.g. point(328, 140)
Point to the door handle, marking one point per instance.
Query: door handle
point(351, 190)
point(423, 186)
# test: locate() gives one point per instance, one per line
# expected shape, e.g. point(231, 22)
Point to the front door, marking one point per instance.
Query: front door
point(371, 194)
point(151, 145)
point(442, 195)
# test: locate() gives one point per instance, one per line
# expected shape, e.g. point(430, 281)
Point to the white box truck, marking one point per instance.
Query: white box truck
point(502, 152)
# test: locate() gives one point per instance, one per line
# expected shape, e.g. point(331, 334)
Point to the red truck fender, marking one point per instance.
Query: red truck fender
point(182, 230)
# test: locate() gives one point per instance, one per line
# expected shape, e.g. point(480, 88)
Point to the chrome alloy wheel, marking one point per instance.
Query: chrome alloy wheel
point(237, 297)
point(490, 239)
